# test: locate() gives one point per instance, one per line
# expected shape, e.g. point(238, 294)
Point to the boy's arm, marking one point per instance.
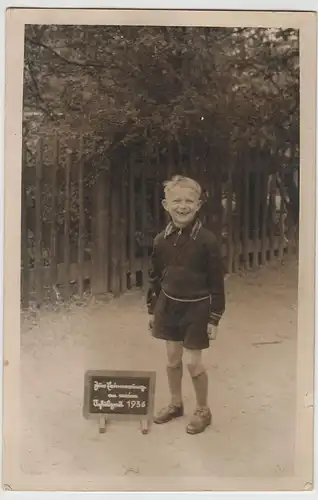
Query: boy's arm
point(154, 276)
point(216, 283)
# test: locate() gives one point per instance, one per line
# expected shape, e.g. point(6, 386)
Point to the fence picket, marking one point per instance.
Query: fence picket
point(132, 224)
point(264, 219)
point(229, 223)
point(145, 259)
point(281, 243)
point(67, 227)
point(107, 226)
point(237, 226)
point(53, 238)
point(115, 234)
point(38, 264)
point(272, 218)
point(123, 227)
point(25, 272)
point(81, 221)
point(114, 219)
point(157, 195)
point(246, 218)
point(256, 213)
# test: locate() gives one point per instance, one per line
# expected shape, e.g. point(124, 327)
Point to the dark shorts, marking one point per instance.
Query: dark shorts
point(185, 322)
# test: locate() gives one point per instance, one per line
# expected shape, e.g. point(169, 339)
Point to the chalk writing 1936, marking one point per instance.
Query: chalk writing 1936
point(101, 403)
point(136, 404)
point(119, 395)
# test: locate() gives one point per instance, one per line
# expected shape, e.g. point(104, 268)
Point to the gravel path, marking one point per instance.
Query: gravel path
point(252, 369)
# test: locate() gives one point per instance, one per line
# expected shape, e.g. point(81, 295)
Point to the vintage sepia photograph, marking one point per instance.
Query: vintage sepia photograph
point(165, 186)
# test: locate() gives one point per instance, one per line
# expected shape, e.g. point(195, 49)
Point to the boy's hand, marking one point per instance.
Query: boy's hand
point(150, 323)
point(212, 332)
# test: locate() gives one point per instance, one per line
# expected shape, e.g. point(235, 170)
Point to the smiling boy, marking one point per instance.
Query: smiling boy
point(186, 297)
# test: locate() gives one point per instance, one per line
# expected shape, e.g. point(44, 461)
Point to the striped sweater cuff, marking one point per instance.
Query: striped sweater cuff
point(214, 318)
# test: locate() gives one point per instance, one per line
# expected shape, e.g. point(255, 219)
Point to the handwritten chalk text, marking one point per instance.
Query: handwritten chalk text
point(112, 385)
point(101, 403)
point(107, 404)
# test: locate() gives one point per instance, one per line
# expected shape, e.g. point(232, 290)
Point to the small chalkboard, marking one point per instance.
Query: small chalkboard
point(119, 394)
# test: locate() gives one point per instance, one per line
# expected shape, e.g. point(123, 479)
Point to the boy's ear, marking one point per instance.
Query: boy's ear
point(164, 204)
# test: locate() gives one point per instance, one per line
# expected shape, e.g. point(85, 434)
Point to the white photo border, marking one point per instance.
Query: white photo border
point(11, 269)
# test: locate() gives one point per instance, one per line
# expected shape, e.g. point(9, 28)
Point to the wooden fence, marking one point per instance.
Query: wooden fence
point(83, 233)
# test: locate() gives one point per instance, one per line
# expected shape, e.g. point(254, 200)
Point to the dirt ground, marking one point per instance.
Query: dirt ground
point(252, 371)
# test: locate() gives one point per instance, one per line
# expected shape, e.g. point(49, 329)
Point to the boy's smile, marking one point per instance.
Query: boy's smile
point(182, 203)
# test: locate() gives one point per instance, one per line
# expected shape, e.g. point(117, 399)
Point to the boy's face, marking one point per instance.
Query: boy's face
point(182, 203)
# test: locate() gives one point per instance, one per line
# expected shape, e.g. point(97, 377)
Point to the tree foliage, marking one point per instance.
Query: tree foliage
point(218, 95)
point(229, 90)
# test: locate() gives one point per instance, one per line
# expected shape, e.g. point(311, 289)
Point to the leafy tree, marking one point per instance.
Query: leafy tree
point(236, 87)
point(217, 96)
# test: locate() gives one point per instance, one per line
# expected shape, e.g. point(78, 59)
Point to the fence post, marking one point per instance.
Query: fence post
point(38, 268)
point(25, 278)
point(156, 194)
point(53, 242)
point(81, 221)
point(132, 224)
point(216, 207)
point(144, 213)
point(123, 227)
point(237, 230)
point(229, 217)
point(264, 219)
point(246, 217)
point(101, 247)
point(67, 227)
point(272, 215)
point(281, 245)
point(256, 209)
point(114, 233)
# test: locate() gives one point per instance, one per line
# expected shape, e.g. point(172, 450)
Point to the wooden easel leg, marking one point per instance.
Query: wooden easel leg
point(102, 425)
point(144, 425)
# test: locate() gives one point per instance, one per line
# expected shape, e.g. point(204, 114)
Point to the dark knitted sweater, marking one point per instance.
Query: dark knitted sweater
point(186, 264)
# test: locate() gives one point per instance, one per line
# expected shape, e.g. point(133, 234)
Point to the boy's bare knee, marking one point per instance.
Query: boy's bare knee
point(174, 364)
point(194, 363)
point(174, 354)
point(174, 360)
point(195, 369)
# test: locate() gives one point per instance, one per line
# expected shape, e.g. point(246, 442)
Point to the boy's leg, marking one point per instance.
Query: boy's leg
point(202, 416)
point(174, 373)
point(198, 375)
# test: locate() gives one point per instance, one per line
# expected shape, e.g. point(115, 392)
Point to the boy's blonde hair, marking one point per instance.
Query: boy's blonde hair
point(180, 180)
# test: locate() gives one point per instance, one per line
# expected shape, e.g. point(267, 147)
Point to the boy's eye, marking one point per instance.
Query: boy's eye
point(185, 201)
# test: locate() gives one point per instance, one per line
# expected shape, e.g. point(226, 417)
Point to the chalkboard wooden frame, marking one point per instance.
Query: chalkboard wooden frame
point(89, 374)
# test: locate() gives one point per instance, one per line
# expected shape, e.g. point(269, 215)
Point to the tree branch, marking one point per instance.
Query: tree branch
point(62, 58)
point(44, 106)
